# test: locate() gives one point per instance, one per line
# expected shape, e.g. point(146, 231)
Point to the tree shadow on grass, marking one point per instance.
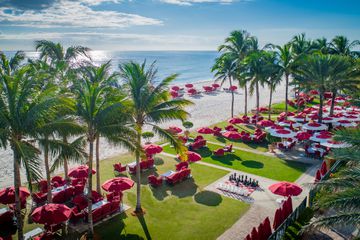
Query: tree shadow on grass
point(158, 161)
point(227, 159)
point(204, 152)
point(144, 226)
point(221, 139)
point(252, 164)
point(208, 198)
point(183, 189)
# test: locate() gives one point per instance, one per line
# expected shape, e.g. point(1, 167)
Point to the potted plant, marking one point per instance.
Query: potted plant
point(187, 125)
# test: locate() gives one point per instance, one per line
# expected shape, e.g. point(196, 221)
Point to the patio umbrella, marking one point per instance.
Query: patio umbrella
point(232, 135)
point(323, 168)
point(287, 123)
point(283, 133)
point(192, 91)
point(303, 136)
point(352, 118)
point(7, 195)
point(345, 123)
point(265, 123)
point(254, 234)
point(278, 218)
point(80, 172)
point(189, 85)
point(267, 228)
point(174, 129)
point(289, 114)
point(208, 88)
point(318, 175)
point(285, 189)
point(334, 144)
point(151, 149)
point(175, 88)
point(215, 85)
point(328, 120)
point(314, 126)
point(233, 88)
point(235, 120)
point(320, 137)
point(205, 130)
point(118, 184)
point(314, 92)
point(51, 214)
point(193, 156)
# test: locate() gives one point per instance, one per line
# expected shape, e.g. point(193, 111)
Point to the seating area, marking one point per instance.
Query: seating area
point(144, 165)
point(198, 143)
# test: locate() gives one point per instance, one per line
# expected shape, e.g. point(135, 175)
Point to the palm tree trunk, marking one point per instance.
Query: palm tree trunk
point(97, 156)
point(286, 94)
point(17, 183)
point(47, 170)
point(138, 208)
point(66, 167)
point(232, 99)
point(257, 100)
point(332, 102)
point(270, 100)
point(246, 100)
point(89, 195)
point(321, 106)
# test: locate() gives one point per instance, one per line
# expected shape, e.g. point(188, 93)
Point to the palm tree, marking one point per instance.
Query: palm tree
point(300, 45)
point(321, 45)
point(341, 45)
point(25, 109)
point(225, 69)
point(100, 113)
point(150, 105)
point(344, 198)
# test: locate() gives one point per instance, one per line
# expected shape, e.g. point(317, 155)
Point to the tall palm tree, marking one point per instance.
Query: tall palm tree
point(101, 114)
point(150, 105)
point(321, 45)
point(300, 45)
point(24, 110)
point(225, 69)
point(341, 45)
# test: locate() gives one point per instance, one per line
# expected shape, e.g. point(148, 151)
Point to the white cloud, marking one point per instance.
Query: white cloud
point(67, 13)
point(190, 2)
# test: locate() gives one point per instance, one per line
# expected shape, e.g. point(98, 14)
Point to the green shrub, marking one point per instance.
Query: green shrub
point(188, 124)
point(147, 136)
point(293, 231)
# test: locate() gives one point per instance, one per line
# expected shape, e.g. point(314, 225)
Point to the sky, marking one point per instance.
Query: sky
point(170, 24)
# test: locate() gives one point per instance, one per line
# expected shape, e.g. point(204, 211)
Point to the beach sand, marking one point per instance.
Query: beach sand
point(207, 109)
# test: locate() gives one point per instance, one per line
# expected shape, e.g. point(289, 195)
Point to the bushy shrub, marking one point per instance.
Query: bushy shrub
point(293, 231)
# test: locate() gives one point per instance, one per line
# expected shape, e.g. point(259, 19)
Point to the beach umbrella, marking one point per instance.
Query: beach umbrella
point(189, 85)
point(265, 123)
point(174, 94)
point(51, 214)
point(175, 88)
point(318, 175)
point(192, 91)
point(352, 118)
point(205, 130)
point(285, 189)
point(267, 228)
point(278, 218)
point(81, 171)
point(335, 144)
point(151, 149)
point(193, 156)
point(314, 126)
point(215, 85)
point(283, 133)
point(208, 88)
point(233, 88)
point(232, 135)
point(174, 129)
point(289, 114)
point(323, 168)
point(235, 120)
point(328, 120)
point(254, 234)
point(303, 136)
point(320, 137)
point(118, 184)
point(7, 195)
point(288, 123)
point(345, 123)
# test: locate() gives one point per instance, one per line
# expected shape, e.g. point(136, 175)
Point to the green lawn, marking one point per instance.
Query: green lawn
point(266, 166)
point(280, 107)
point(183, 211)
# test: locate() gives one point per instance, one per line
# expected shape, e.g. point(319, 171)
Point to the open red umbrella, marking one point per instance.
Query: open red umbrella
point(175, 88)
point(285, 189)
point(205, 130)
point(303, 136)
point(290, 207)
point(323, 168)
point(81, 171)
point(7, 195)
point(174, 94)
point(51, 214)
point(267, 228)
point(232, 135)
point(174, 129)
point(189, 85)
point(232, 88)
point(193, 156)
point(254, 234)
point(235, 120)
point(277, 219)
point(118, 184)
point(152, 149)
point(215, 85)
point(318, 175)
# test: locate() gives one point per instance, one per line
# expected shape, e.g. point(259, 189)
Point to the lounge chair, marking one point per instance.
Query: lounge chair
point(219, 152)
point(154, 181)
point(118, 168)
point(181, 165)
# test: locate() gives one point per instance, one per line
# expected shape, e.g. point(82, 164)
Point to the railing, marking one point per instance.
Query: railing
point(280, 231)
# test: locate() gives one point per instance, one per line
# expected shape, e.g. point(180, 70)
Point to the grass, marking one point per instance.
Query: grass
point(266, 166)
point(183, 211)
point(280, 107)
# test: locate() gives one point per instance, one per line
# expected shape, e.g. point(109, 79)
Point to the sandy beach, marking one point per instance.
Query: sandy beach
point(207, 109)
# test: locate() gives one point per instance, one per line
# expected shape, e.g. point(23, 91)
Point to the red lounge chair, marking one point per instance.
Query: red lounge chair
point(181, 165)
point(96, 197)
point(154, 181)
point(246, 138)
point(43, 186)
point(228, 148)
point(106, 209)
point(197, 138)
point(80, 201)
point(132, 169)
point(186, 173)
point(143, 165)
point(59, 180)
point(39, 198)
point(115, 207)
point(219, 152)
point(172, 179)
point(69, 193)
point(97, 214)
point(77, 215)
point(79, 189)
point(59, 197)
point(118, 168)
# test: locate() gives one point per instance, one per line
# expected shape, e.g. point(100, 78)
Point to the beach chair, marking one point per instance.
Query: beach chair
point(219, 152)
point(106, 209)
point(58, 180)
point(115, 207)
point(181, 165)
point(118, 168)
point(154, 181)
point(59, 197)
point(228, 148)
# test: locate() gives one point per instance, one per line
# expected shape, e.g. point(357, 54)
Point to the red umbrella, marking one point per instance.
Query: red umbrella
point(189, 85)
point(318, 175)
point(151, 149)
point(192, 91)
point(175, 88)
point(118, 184)
point(232, 88)
point(248, 237)
point(7, 195)
point(174, 94)
point(289, 114)
point(265, 123)
point(80, 172)
point(261, 233)
point(285, 189)
point(193, 156)
point(232, 135)
point(267, 228)
point(207, 88)
point(235, 120)
point(51, 214)
point(254, 234)
point(205, 130)
point(323, 169)
point(263, 109)
point(303, 136)
point(174, 129)
point(215, 85)
point(289, 202)
point(277, 219)
point(314, 92)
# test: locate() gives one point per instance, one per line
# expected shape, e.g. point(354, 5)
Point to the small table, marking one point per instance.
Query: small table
point(33, 233)
point(167, 174)
point(59, 189)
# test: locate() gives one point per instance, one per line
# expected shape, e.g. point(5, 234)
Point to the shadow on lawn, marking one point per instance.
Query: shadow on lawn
point(252, 164)
point(226, 159)
point(183, 189)
point(208, 198)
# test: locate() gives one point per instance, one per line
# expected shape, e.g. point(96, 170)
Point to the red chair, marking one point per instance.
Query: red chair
point(81, 202)
point(228, 148)
point(6, 217)
point(59, 180)
point(143, 165)
point(132, 169)
point(43, 186)
point(59, 197)
point(39, 198)
point(219, 152)
point(96, 197)
point(246, 138)
point(97, 215)
point(199, 137)
point(77, 215)
point(79, 189)
point(181, 165)
point(281, 146)
point(69, 193)
point(154, 181)
point(186, 173)
point(118, 168)
point(106, 209)
point(172, 179)
point(115, 207)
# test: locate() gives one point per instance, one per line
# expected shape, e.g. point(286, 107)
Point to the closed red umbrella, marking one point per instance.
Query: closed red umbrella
point(323, 168)
point(118, 184)
point(205, 130)
point(261, 233)
point(265, 123)
point(254, 234)
point(277, 219)
point(290, 207)
point(174, 129)
point(232, 135)
point(318, 175)
point(193, 156)
point(285, 189)
point(152, 149)
point(235, 120)
point(189, 85)
point(51, 214)
point(248, 237)
point(80, 172)
point(267, 228)
point(7, 195)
